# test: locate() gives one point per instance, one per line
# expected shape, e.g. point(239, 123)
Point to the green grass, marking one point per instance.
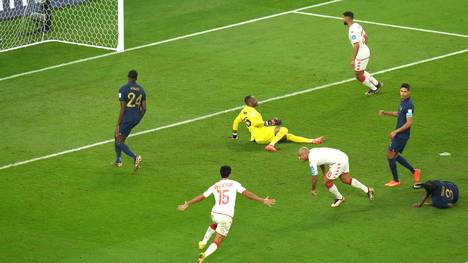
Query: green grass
point(77, 208)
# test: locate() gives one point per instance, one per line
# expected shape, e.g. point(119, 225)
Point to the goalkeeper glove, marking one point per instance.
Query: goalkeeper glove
point(234, 135)
point(273, 122)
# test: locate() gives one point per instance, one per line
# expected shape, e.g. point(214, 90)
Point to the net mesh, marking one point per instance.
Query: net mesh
point(88, 22)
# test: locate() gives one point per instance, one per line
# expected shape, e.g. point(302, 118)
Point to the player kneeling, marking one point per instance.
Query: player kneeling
point(222, 213)
point(338, 167)
point(265, 132)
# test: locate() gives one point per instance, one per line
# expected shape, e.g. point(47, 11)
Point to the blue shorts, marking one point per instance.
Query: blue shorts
point(398, 145)
point(126, 127)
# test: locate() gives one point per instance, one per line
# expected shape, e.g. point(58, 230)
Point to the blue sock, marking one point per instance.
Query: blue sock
point(118, 153)
point(392, 164)
point(405, 163)
point(127, 151)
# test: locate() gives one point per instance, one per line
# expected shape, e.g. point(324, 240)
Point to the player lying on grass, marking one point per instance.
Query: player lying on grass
point(444, 194)
point(265, 132)
point(338, 164)
point(132, 99)
point(400, 136)
point(222, 212)
point(361, 54)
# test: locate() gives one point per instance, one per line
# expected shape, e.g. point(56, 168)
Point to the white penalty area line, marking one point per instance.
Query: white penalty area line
point(383, 24)
point(231, 110)
point(165, 41)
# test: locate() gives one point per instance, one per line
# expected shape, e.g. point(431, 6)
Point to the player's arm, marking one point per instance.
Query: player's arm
point(365, 38)
point(266, 201)
point(235, 125)
point(356, 50)
point(407, 125)
point(388, 113)
point(420, 204)
point(186, 204)
point(123, 106)
point(142, 109)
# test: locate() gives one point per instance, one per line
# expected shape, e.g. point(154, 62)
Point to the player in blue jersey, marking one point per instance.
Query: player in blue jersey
point(132, 99)
point(444, 194)
point(400, 137)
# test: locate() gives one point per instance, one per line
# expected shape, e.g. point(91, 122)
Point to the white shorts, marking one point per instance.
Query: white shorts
point(362, 59)
point(337, 169)
point(223, 223)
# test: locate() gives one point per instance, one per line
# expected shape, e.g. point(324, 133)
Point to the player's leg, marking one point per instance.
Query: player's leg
point(223, 225)
point(209, 232)
point(329, 177)
point(212, 247)
point(118, 154)
point(280, 134)
point(366, 82)
point(347, 179)
point(374, 81)
point(125, 129)
point(401, 160)
point(391, 158)
point(298, 139)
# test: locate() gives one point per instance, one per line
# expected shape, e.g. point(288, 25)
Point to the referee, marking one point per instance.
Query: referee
point(400, 137)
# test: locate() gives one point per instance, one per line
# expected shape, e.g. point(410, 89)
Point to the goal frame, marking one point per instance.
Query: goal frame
point(120, 41)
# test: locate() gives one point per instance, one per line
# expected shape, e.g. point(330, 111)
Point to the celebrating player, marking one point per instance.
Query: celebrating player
point(132, 99)
point(361, 54)
point(444, 194)
point(265, 132)
point(400, 137)
point(338, 167)
point(222, 213)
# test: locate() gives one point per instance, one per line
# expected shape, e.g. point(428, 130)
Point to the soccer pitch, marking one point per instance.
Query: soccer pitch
point(76, 207)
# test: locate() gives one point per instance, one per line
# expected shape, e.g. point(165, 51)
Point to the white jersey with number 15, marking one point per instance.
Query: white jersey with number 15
point(225, 192)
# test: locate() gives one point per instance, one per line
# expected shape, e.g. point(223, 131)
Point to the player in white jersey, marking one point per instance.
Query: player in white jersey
point(338, 164)
point(225, 192)
point(361, 55)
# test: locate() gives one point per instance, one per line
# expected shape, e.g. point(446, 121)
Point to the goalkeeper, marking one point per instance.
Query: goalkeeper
point(265, 132)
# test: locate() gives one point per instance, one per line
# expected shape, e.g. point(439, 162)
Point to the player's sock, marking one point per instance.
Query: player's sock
point(281, 133)
point(209, 232)
point(334, 190)
point(293, 138)
point(212, 248)
point(127, 150)
point(371, 78)
point(356, 184)
point(118, 153)
point(405, 163)
point(392, 164)
point(365, 81)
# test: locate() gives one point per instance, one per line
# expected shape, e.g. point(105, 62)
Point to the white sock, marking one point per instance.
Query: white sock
point(334, 190)
point(208, 234)
point(355, 183)
point(212, 248)
point(369, 84)
point(371, 78)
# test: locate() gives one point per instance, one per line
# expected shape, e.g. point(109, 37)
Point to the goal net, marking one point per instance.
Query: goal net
point(94, 23)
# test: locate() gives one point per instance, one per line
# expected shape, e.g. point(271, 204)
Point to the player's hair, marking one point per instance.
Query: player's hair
point(349, 14)
point(406, 86)
point(429, 186)
point(247, 98)
point(225, 171)
point(133, 74)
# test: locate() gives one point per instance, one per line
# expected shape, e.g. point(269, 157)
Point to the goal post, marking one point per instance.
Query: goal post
point(92, 23)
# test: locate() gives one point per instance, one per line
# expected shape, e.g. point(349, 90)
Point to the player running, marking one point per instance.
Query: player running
point(400, 137)
point(338, 164)
point(444, 194)
point(222, 213)
point(265, 132)
point(361, 55)
point(132, 99)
